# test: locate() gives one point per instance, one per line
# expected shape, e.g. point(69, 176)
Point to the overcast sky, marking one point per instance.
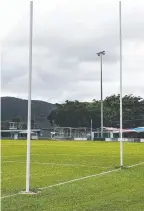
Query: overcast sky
point(66, 37)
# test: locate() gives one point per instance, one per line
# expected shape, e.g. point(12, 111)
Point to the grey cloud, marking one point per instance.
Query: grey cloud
point(65, 43)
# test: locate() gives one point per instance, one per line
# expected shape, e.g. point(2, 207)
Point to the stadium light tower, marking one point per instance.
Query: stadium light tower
point(101, 53)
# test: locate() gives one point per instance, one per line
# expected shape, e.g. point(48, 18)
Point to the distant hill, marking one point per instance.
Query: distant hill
point(12, 108)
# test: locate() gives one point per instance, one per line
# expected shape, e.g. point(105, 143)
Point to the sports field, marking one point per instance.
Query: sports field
point(73, 176)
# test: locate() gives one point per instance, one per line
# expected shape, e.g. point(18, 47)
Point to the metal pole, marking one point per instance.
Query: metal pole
point(91, 131)
point(101, 98)
point(1, 59)
point(29, 101)
point(121, 114)
point(54, 133)
point(101, 54)
point(70, 132)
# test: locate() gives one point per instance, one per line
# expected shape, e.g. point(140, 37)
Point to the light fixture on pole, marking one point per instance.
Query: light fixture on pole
point(101, 53)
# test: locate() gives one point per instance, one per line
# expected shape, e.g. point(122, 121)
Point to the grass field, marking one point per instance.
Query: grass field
point(73, 176)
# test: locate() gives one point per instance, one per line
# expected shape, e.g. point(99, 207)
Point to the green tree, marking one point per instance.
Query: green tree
point(78, 114)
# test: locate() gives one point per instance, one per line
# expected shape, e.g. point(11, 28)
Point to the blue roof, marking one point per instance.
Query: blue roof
point(138, 129)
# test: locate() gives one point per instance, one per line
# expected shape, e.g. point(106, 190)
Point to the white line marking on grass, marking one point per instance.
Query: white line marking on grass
point(70, 181)
point(90, 176)
point(137, 164)
point(42, 155)
point(59, 164)
point(78, 179)
point(34, 154)
point(31, 175)
point(55, 154)
point(12, 177)
point(8, 196)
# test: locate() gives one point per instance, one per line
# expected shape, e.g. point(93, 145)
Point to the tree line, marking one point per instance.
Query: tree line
point(79, 114)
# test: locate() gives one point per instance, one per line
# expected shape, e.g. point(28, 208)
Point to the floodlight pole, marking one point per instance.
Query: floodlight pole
point(121, 114)
point(101, 54)
point(29, 101)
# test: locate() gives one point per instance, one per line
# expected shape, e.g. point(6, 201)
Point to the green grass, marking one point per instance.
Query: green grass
point(55, 162)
